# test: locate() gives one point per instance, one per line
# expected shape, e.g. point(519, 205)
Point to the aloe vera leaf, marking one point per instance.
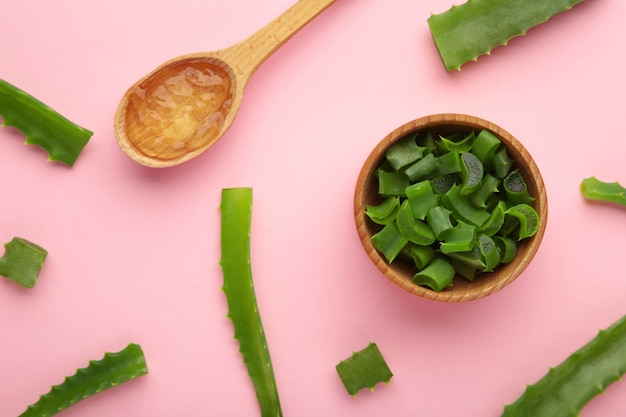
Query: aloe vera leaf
point(114, 369)
point(566, 388)
point(593, 189)
point(364, 369)
point(474, 28)
point(236, 208)
point(43, 126)
point(22, 261)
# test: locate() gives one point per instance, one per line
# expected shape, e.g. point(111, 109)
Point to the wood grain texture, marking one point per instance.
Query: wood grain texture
point(401, 274)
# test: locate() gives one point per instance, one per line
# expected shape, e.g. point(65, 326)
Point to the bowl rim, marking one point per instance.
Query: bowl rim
point(467, 291)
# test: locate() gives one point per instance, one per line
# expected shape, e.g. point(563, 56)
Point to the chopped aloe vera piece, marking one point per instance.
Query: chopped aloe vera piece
point(422, 169)
point(502, 163)
point(516, 189)
point(449, 163)
point(364, 369)
point(471, 258)
point(428, 141)
point(439, 220)
point(22, 261)
point(420, 255)
point(389, 241)
point(528, 219)
point(468, 264)
point(460, 239)
point(507, 248)
point(465, 270)
point(421, 198)
point(495, 221)
point(510, 227)
point(489, 252)
point(488, 186)
point(459, 142)
point(474, 28)
point(462, 208)
point(594, 189)
point(385, 212)
point(62, 139)
point(404, 152)
point(442, 184)
point(114, 369)
point(492, 202)
point(437, 275)
point(485, 147)
point(472, 172)
point(391, 183)
point(414, 230)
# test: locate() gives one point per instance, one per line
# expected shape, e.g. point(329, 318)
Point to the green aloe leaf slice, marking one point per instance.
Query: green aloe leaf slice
point(567, 387)
point(22, 261)
point(594, 189)
point(364, 369)
point(43, 126)
point(474, 28)
point(114, 369)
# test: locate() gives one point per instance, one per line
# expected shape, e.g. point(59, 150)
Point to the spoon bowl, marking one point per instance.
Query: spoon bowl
point(180, 109)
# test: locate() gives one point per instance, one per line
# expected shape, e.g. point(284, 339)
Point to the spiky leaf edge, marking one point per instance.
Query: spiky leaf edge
point(238, 287)
point(62, 139)
point(112, 370)
point(22, 261)
point(471, 23)
point(569, 386)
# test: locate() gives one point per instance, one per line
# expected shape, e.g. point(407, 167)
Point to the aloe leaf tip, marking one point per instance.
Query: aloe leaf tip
point(113, 369)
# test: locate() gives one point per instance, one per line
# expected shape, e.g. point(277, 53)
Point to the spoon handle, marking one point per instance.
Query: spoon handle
point(250, 53)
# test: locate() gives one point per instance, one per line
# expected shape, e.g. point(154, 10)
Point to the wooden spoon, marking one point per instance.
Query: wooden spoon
point(181, 108)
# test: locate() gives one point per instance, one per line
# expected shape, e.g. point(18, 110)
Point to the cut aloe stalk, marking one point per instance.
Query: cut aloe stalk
point(22, 261)
point(112, 370)
point(474, 28)
point(43, 126)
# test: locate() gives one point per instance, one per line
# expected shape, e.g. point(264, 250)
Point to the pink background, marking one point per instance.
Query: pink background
point(134, 251)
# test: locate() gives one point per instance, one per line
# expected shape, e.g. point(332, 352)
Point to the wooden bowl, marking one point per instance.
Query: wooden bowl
point(401, 273)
